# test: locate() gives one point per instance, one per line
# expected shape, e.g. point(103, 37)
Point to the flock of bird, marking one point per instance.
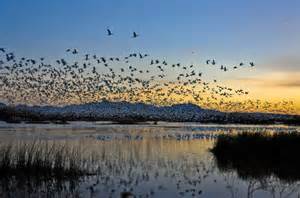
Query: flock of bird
point(83, 78)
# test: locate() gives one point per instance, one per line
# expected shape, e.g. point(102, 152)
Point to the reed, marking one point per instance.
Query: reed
point(43, 159)
point(259, 154)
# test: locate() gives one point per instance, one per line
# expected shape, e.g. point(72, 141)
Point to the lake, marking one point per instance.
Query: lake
point(145, 160)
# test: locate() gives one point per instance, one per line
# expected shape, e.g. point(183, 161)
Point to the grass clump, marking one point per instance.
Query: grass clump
point(257, 155)
point(42, 159)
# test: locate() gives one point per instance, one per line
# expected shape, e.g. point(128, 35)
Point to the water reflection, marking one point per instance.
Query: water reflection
point(251, 167)
point(263, 187)
point(35, 187)
point(156, 164)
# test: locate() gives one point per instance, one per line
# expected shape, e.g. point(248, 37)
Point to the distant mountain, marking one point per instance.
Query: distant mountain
point(136, 112)
point(121, 111)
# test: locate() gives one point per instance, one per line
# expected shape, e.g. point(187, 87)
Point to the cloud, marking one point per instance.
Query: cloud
point(284, 63)
point(290, 83)
point(274, 79)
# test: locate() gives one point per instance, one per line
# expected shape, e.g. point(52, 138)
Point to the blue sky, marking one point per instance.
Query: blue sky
point(225, 29)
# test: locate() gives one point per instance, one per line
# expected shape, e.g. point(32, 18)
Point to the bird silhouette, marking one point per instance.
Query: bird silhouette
point(134, 35)
point(109, 33)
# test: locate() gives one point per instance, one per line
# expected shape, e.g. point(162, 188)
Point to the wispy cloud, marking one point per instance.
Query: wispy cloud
point(274, 79)
point(290, 83)
point(284, 63)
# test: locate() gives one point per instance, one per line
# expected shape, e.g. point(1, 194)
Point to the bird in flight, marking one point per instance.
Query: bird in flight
point(252, 64)
point(109, 33)
point(75, 51)
point(2, 50)
point(135, 35)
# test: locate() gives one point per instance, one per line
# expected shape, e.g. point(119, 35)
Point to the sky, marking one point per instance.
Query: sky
point(266, 32)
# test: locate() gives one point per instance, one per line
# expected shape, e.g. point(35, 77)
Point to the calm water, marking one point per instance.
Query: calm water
point(163, 160)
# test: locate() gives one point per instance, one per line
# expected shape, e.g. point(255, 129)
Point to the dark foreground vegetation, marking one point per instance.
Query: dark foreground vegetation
point(259, 155)
point(41, 169)
point(42, 160)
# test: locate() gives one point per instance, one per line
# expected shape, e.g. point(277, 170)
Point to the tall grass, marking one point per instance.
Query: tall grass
point(43, 159)
point(260, 154)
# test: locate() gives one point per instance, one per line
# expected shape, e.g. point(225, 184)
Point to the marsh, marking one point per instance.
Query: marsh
point(110, 160)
